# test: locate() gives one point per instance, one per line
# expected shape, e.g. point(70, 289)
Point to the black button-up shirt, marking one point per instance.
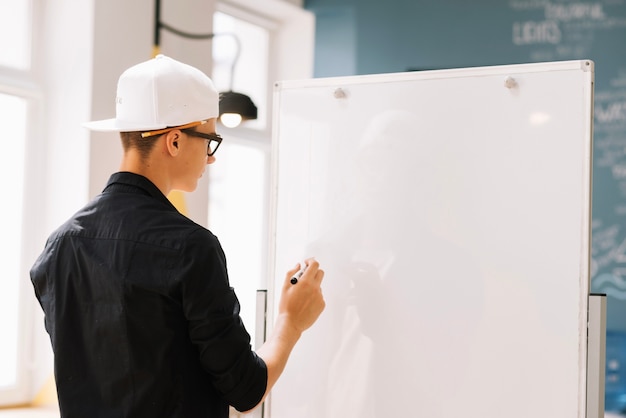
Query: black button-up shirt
point(141, 316)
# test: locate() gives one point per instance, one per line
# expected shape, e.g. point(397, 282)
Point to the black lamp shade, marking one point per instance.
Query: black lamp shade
point(232, 102)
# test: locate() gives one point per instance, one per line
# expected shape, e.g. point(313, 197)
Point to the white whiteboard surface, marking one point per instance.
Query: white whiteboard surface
point(450, 211)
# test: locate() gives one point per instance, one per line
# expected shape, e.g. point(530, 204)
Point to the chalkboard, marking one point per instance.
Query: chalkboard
point(450, 210)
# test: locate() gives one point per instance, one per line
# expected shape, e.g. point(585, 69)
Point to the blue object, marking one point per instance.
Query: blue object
point(615, 388)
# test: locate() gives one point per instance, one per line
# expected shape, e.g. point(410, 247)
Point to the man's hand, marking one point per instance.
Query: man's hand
point(302, 303)
point(300, 306)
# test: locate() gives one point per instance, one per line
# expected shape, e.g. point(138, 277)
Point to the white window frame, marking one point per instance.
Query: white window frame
point(20, 392)
point(291, 49)
point(24, 84)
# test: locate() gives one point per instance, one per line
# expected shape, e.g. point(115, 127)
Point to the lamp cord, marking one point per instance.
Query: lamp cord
point(160, 25)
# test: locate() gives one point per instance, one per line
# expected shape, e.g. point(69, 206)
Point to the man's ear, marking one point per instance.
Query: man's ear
point(171, 142)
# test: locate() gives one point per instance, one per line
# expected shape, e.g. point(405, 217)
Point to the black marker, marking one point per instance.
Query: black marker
point(300, 272)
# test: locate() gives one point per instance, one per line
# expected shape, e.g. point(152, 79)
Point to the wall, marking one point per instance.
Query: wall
point(62, 184)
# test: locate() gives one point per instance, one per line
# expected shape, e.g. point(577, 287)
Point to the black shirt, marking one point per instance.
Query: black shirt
point(141, 316)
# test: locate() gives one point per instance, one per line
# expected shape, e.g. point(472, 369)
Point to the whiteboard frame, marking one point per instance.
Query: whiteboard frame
point(335, 82)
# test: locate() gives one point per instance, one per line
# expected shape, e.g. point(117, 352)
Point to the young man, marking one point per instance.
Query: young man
point(142, 320)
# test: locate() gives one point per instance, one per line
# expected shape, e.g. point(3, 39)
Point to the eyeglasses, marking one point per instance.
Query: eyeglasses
point(214, 140)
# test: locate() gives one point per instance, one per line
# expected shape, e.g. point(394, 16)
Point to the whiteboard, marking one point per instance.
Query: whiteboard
point(450, 210)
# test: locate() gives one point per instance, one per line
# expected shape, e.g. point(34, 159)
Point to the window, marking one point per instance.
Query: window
point(15, 30)
point(237, 215)
point(276, 43)
point(16, 104)
point(240, 61)
point(14, 109)
point(239, 180)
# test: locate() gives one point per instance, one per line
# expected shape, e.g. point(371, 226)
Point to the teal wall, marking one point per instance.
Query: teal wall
point(372, 36)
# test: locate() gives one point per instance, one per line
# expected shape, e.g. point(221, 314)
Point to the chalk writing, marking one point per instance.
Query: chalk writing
point(567, 12)
point(527, 33)
point(611, 112)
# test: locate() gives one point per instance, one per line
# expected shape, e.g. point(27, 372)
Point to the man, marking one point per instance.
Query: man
point(142, 320)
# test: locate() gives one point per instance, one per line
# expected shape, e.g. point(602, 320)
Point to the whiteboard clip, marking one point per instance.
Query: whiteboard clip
point(340, 94)
point(509, 82)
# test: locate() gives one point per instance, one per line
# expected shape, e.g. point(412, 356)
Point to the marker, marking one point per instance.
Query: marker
point(300, 272)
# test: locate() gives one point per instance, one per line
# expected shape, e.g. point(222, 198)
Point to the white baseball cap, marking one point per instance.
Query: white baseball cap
point(158, 94)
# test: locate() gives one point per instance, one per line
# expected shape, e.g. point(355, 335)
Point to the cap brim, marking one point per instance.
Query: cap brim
point(114, 125)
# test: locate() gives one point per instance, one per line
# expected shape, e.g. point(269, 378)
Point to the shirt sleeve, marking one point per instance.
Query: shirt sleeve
point(215, 327)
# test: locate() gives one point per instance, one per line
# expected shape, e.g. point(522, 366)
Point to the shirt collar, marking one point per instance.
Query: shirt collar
point(137, 181)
